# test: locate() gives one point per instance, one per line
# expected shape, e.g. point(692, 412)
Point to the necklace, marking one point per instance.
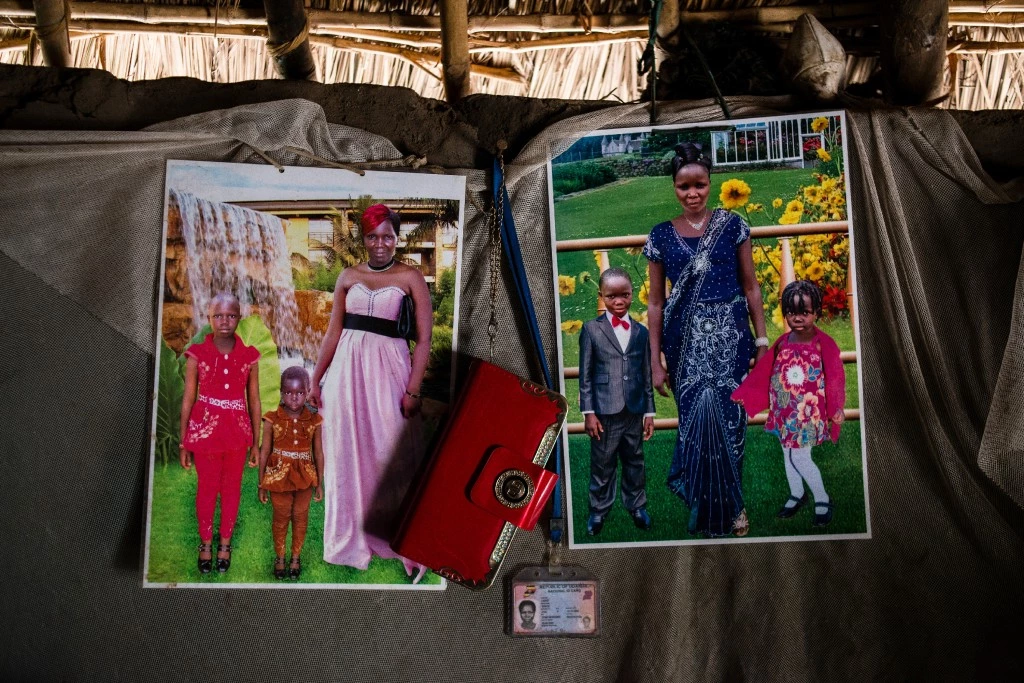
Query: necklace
point(380, 269)
point(699, 224)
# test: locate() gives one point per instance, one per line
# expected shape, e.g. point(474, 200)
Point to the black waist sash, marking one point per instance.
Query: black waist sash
point(369, 323)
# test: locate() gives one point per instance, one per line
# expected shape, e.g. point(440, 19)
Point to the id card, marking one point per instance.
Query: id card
point(546, 604)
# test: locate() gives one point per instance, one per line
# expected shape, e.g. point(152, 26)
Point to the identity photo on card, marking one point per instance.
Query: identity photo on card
point(304, 351)
point(709, 345)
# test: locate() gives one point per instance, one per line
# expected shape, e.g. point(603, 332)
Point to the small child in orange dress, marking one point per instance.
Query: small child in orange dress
point(220, 415)
point(291, 467)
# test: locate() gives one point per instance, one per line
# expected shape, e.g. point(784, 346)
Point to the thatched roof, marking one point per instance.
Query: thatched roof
point(536, 48)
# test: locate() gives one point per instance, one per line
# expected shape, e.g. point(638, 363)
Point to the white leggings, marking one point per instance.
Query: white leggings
point(800, 468)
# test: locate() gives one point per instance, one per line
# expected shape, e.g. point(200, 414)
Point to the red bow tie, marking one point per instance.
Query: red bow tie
point(617, 322)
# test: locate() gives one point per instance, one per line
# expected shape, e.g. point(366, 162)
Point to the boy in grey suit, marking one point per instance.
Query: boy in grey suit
point(617, 402)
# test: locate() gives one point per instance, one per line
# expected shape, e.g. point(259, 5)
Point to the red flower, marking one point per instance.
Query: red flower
point(833, 301)
point(811, 144)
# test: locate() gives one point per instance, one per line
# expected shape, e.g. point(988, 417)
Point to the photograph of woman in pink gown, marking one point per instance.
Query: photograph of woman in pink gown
point(370, 397)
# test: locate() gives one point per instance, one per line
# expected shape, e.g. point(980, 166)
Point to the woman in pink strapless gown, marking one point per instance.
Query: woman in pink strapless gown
point(370, 399)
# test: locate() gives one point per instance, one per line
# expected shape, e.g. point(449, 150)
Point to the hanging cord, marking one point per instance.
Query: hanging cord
point(278, 50)
point(509, 244)
point(648, 60)
point(412, 161)
point(60, 26)
point(707, 72)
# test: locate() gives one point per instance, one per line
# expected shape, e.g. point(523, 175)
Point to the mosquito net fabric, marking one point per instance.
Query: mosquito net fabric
point(936, 592)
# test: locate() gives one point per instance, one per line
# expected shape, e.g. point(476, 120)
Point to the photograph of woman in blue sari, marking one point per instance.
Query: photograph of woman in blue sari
point(702, 325)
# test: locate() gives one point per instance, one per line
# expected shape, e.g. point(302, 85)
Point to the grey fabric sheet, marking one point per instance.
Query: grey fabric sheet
point(937, 592)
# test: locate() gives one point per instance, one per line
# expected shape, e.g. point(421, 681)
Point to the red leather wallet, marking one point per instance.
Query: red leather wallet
point(485, 477)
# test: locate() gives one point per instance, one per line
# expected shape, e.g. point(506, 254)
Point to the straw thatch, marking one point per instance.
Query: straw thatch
point(536, 48)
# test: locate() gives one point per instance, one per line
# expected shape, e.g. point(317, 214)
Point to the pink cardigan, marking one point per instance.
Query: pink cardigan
point(753, 392)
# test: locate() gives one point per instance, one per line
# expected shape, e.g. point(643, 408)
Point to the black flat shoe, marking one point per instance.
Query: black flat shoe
point(279, 569)
point(224, 563)
point(787, 511)
point(205, 566)
point(641, 519)
point(594, 525)
point(295, 570)
point(822, 518)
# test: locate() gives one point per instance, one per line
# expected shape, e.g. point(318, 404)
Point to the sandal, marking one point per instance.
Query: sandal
point(279, 568)
point(741, 525)
point(205, 565)
point(787, 510)
point(223, 563)
point(295, 568)
point(822, 518)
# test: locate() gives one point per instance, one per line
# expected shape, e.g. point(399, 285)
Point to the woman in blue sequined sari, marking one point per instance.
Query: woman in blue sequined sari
point(703, 328)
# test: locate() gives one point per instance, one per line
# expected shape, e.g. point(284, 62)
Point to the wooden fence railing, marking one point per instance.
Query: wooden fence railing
point(783, 232)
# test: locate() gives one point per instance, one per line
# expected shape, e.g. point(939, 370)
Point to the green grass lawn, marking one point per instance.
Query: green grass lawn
point(633, 206)
point(173, 540)
point(764, 489)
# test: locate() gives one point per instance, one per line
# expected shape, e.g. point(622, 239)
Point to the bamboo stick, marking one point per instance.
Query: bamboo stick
point(287, 40)
point(322, 20)
point(991, 47)
point(52, 30)
point(455, 49)
point(984, 6)
point(1005, 20)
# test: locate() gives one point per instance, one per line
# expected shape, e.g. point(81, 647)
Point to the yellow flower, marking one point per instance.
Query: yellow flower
point(566, 285)
point(776, 203)
point(814, 271)
point(808, 258)
point(812, 194)
point(795, 206)
point(819, 124)
point(777, 316)
point(754, 208)
point(584, 276)
point(824, 155)
point(643, 293)
point(572, 326)
point(597, 260)
point(735, 193)
point(790, 218)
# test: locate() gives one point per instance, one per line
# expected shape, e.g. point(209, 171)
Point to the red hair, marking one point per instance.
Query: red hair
point(377, 214)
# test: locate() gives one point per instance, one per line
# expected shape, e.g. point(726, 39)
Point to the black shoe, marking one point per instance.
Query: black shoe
point(787, 511)
point(224, 563)
point(296, 568)
point(206, 566)
point(822, 518)
point(594, 524)
point(279, 568)
point(641, 519)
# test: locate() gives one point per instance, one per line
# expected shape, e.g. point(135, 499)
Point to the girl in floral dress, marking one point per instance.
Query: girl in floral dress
point(803, 385)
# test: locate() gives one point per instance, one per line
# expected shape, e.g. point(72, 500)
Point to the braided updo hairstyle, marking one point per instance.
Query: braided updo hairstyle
point(795, 291)
point(689, 153)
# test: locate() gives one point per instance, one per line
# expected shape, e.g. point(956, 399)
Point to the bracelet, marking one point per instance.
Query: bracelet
point(409, 393)
point(761, 341)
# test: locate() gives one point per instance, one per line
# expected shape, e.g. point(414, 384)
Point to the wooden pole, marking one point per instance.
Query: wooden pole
point(913, 39)
point(455, 49)
point(787, 275)
point(52, 30)
point(288, 39)
point(603, 265)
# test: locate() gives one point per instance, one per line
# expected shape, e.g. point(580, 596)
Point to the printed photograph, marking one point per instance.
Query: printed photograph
point(304, 357)
point(709, 344)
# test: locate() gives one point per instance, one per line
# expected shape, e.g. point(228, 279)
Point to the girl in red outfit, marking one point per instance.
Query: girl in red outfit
point(220, 416)
point(291, 466)
point(802, 383)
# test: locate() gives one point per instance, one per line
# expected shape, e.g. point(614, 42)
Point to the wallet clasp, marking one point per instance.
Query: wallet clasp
point(512, 488)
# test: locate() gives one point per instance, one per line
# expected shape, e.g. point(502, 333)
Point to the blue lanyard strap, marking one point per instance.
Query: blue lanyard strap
point(510, 245)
